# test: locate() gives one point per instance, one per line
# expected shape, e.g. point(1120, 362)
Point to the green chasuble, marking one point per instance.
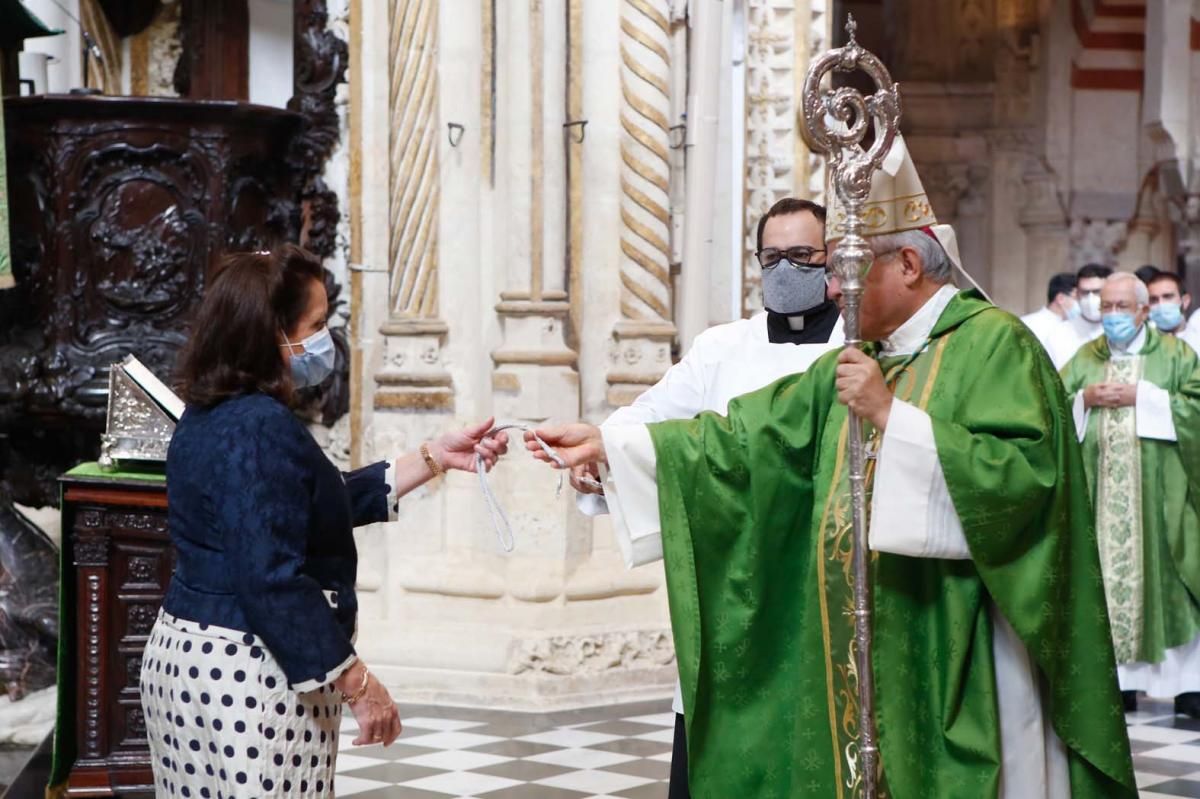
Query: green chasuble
point(1151, 556)
point(756, 537)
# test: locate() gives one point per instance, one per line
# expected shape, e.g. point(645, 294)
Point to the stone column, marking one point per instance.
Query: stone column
point(1046, 243)
point(413, 376)
point(535, 376)
point(646, 330)
point(782, 37)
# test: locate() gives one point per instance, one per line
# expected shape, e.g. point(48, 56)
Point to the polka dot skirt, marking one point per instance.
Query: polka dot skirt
point(223, 723)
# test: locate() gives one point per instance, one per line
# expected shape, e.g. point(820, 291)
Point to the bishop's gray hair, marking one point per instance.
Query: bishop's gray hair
point(934, 259)
point(1139, 288)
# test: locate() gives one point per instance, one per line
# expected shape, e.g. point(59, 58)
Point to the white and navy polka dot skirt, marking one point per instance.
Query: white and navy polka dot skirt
point(223, 723)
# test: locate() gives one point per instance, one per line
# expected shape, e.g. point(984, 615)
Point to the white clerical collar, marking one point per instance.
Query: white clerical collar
point(913, 334)
point(1131, 349)
point(796, 322)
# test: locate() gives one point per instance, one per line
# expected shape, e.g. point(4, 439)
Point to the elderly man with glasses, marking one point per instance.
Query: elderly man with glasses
point(1136, 394)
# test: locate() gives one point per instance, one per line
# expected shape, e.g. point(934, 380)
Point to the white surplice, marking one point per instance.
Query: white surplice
point(1042, 323)
point(723, 362)
point(1066, 339)
point(909, 485)
point(1190, 333)
point(1179, 671)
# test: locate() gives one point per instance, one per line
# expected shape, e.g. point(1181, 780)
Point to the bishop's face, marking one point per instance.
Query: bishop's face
point(880, 312)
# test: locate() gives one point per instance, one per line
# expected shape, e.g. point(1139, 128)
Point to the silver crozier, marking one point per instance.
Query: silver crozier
point(834, 122)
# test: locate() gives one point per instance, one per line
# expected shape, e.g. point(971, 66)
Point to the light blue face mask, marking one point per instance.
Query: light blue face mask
point(1167, 316)
point(1074, 312)
point(1119, 328)
point(311, 367)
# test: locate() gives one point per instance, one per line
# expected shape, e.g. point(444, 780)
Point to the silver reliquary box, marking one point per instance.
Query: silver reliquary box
point(142, 413)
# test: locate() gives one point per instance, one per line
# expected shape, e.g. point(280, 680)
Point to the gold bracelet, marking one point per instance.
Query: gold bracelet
point(362, 689)
point(433, 465)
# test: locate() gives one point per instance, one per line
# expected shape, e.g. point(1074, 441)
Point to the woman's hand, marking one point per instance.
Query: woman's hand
point(376, 713)
point(457, 450)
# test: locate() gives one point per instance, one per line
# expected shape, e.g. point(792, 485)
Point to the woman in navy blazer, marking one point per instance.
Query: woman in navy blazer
point(251, 658)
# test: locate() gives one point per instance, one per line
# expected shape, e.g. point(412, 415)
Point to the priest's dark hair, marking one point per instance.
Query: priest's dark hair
point(786, 207)
point(1093, 270)
point(1171, 276)
point(1147, 273)
point(234, 347)
point(1062, 283)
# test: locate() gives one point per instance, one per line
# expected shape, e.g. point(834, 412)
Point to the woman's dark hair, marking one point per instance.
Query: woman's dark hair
point(234, 347)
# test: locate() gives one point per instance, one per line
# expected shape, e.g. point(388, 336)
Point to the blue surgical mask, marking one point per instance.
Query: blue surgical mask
point(1074, 312)
point(311, 367)
point(1167, 316)
point(1119, 328)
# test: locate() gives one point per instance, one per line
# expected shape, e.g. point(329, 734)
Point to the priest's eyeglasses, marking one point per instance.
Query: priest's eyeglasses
point(769, 257)
point(1121, 306)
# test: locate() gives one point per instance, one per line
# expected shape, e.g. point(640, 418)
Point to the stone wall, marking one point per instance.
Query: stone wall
point(509, 259)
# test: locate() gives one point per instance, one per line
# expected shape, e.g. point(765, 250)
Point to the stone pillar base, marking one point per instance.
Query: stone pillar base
point(413, 377)
point(640, 356)
point(536, 374)
point(501, 668)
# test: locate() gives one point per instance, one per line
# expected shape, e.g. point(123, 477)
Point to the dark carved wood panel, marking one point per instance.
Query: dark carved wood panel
point(120, 209)
point(319, 63)
point(122, 559)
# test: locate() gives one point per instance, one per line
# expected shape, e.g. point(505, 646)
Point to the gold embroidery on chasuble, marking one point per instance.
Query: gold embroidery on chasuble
point(834, 569)
point(1119, 514)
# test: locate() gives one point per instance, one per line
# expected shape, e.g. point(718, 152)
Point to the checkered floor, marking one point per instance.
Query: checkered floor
point(621, 752)
point(1166, 751)
point(624, 752)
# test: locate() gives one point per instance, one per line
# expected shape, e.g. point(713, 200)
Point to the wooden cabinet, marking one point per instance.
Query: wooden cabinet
point(120, 560)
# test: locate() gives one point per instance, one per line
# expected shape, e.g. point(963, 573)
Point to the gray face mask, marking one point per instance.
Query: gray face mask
point(791, 289)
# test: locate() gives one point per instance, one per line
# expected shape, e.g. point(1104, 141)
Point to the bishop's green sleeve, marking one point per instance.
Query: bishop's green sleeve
point(735, 499)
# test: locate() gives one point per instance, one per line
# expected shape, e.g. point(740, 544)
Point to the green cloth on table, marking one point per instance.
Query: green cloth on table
point(756, 538)
point(64, 728)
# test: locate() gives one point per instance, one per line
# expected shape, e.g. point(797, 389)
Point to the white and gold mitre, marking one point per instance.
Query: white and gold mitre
point(897, 203)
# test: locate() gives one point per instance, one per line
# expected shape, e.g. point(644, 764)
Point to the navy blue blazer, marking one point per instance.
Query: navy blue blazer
point(262, 524)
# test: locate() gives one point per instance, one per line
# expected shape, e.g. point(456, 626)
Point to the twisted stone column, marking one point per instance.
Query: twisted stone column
point(646, 330)
point(413, 376)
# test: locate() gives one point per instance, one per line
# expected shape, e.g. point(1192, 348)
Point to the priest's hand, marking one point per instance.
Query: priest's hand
point(861, 387)
point(1124, 394)
point(457, 449)
point(1109, 395)
point(585, 478)
point(576, 443)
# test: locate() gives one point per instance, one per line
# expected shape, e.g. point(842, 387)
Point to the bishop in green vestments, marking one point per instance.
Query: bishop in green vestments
point(1137, 408)
point(993, 659)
